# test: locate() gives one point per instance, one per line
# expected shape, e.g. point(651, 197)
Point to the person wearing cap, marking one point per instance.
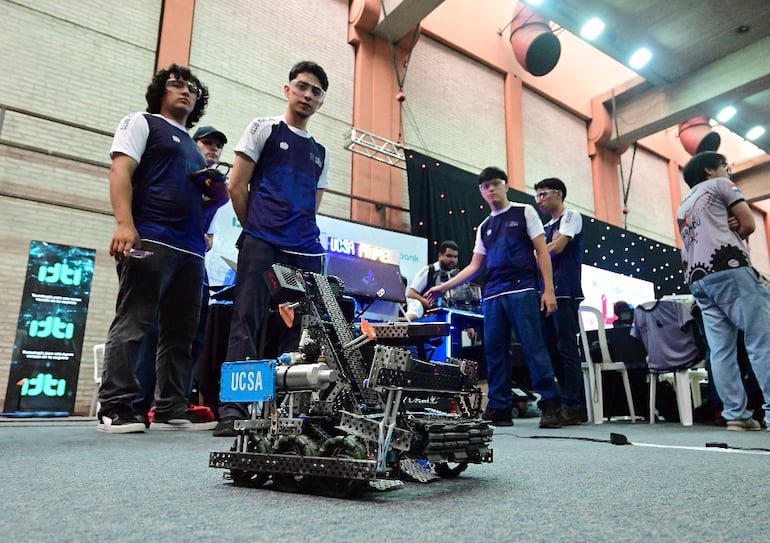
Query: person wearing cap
point(211, 142)
point(279, 175)
point(510, 243)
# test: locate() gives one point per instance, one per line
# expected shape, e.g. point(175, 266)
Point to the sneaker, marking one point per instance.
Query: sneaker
point(225, 428)
point(190, 421)
point(570, 417)
point(743, 425)
point(550, 419)
point(498, 417)
point(116, 422)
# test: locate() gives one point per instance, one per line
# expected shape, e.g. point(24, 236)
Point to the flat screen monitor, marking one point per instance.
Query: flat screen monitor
point(364, 278)
point(602, 288)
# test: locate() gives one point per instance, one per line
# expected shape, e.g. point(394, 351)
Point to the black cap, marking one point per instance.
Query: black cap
point(204, 131)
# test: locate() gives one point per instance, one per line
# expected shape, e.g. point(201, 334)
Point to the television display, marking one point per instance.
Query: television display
point(602, 288)
point(364, 278)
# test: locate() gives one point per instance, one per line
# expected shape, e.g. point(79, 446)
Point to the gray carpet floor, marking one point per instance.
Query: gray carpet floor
point(61, 480)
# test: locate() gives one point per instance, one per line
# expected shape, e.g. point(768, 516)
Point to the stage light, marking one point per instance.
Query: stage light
point(533, 2)
point(755, 133)
point(592, 29)
point(726, 114)
point(640, 58)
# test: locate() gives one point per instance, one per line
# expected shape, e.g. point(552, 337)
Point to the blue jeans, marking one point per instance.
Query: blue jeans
point(251, 302)
point(165, 286)
point(519, 311)
point(731, 300)
point(566, 327)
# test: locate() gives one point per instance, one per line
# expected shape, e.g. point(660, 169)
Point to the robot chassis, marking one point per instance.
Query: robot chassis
point(333, 419)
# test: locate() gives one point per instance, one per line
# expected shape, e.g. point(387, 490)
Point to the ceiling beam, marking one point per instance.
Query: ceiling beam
point(643, 111)
point(400, 17)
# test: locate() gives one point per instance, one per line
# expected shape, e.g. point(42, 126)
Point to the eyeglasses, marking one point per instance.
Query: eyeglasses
point(181, 84)
point(303, 86)
point(486, 185)
point(542, 194)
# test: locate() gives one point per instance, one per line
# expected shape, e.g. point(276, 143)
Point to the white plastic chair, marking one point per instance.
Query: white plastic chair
point(686, 385)
point(98, 357)
point(592, 371)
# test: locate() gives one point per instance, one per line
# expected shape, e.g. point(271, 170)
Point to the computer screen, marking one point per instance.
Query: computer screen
point(363, 277)
point(602, 288)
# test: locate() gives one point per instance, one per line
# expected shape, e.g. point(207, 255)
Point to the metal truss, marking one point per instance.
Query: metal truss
point(380, 149)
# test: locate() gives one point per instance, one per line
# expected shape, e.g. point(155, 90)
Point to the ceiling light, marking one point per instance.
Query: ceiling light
point(755, 133)
point(640, 58)
point(592, 29)
point(726, 114)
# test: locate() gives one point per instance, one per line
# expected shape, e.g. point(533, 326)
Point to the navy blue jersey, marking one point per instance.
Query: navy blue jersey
point(510, 258)
point(567, 264)
point(166, 204)
point(282, 198)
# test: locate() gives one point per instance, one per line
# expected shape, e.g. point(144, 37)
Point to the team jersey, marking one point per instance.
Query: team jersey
point(567, 264)
point(505, 237)
point(166, 204)
point(709, 244)
point(290, 168)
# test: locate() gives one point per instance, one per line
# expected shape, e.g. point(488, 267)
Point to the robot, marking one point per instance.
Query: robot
point(330, 418)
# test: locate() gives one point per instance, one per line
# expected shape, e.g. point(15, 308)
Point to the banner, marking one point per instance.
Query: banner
point(49, 337)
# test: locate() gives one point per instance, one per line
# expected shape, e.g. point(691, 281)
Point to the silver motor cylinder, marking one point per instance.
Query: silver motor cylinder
point(304, 377)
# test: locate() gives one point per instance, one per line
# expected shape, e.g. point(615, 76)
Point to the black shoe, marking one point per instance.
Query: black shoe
point(570, 417)
point(498, 417)
point(189, 421)
point(225, 428)
point(550, 419)
point(120, 422)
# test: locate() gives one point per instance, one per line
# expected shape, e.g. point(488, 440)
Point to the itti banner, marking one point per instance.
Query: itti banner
point(49, 337)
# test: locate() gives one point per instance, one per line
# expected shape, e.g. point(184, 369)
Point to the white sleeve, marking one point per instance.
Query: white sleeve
point(323, 181)
point(131, 136)
point(571, 223)
point(420, 281)
point(478, 246)
point(534, 226)
point(255, 135)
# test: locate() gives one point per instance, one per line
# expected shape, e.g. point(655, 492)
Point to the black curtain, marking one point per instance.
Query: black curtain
point(445, 203)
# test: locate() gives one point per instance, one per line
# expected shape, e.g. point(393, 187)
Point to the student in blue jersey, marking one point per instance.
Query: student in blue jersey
point(713, 220)
point(564, 238)
point(511, 244)
point(277, 182)
point(158, 244)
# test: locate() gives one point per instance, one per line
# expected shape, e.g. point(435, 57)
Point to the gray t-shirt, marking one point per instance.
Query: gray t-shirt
point(666, 330)
point(709, 244)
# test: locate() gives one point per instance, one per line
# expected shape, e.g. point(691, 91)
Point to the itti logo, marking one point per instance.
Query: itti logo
point(176, 138)
point(42, 383)
point(283, 145)
point(59, 272)
point(51, 326)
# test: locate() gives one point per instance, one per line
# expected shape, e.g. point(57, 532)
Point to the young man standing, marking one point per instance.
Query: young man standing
point(211, 142)
point(158, 244)
point(278, 179)
point(440, 271)
point(506, 243)
point(714, 219)
point(564, 238)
